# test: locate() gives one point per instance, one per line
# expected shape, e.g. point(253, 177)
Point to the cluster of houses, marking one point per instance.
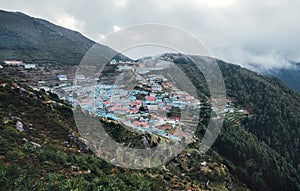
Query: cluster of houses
point(144, 108)
point(17, 63)
point(231, 109)
point(42, 74)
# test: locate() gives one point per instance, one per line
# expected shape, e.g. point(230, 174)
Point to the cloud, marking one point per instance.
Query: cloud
point(268, 61)
point(258, 61)
point(120, 3)
point(210, 3)
point(116, 28)
point(239, 31)
point(69, 22)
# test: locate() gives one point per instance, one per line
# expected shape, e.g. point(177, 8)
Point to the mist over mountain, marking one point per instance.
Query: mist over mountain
point(290, 76)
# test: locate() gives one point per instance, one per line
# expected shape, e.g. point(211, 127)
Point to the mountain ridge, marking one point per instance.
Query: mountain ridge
point(36, 40)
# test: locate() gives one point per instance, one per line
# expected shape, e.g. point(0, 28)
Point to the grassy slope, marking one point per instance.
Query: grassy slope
point(24, 167)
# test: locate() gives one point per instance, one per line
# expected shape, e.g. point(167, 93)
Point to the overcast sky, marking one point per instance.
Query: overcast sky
point(263, 33)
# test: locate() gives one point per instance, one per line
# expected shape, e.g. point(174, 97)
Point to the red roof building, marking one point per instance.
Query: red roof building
point(150, 98)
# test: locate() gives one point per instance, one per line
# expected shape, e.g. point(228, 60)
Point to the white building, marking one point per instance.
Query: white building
point(29, 66)
point(41, 82)
point(124, 68)
point(156, 87)
point(80, 77)
point(113, 62)
point(62, 77)
point(152, 108)
point(13, 62)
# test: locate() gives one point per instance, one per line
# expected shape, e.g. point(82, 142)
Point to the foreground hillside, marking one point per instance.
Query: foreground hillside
point(46, 153)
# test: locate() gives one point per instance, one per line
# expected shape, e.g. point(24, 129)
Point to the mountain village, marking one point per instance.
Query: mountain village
point(155, 105)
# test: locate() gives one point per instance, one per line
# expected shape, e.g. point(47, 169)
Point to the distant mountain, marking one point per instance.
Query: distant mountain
point(290, 76)
point(35, 40)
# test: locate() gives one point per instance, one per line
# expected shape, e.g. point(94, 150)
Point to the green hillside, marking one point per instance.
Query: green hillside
point(262, 150)
point(48, 154)
point(34, 40)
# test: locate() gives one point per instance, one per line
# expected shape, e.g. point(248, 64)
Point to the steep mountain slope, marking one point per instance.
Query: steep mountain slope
point(276, 118)
point(34, 40)
point(263, 150)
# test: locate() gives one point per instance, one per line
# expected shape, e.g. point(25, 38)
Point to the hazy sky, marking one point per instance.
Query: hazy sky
point(263, 33)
